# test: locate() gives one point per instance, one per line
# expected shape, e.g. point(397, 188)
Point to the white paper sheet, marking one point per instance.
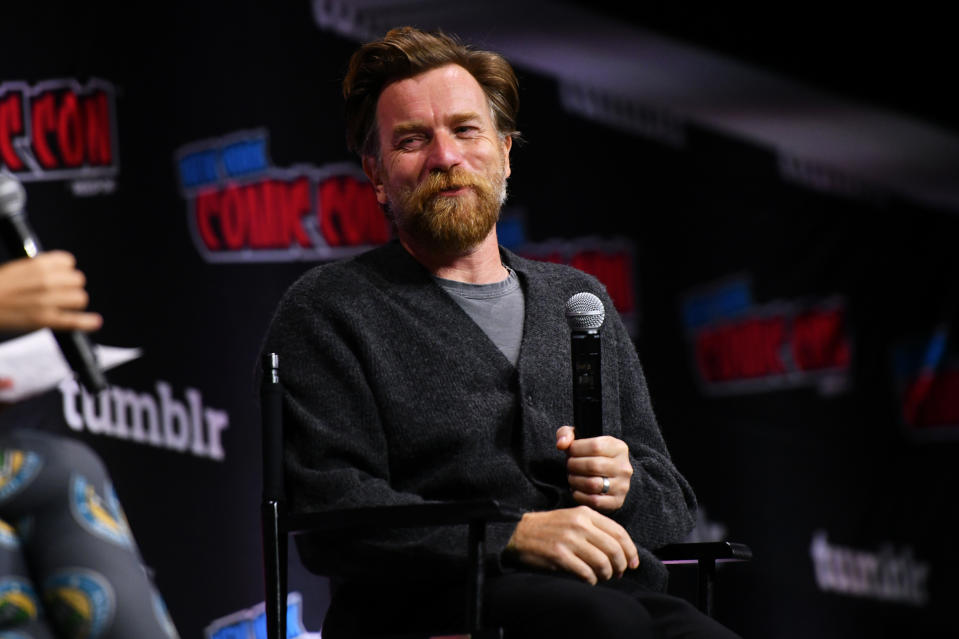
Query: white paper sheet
point(34, 363)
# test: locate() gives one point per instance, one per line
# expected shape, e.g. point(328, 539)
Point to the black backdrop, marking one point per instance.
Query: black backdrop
point(782, 327)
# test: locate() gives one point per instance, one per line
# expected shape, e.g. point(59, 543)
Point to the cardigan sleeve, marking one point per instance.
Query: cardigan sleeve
point(660, 506)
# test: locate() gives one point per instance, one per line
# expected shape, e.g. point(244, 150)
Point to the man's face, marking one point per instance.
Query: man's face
point(442, 168)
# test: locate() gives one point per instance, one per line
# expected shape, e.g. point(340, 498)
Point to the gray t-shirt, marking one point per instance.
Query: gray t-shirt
point(497, 308)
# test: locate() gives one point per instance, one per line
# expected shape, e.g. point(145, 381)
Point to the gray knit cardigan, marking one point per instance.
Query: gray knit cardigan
point(396, 396)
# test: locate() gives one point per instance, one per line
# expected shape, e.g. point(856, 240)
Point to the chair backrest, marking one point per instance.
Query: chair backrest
point(273, 501)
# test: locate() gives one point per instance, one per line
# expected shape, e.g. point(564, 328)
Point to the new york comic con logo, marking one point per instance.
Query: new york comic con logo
point(241, 208)
point(739, 346)
point(58, 130)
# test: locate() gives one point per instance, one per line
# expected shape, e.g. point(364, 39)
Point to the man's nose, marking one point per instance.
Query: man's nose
point(444, 152)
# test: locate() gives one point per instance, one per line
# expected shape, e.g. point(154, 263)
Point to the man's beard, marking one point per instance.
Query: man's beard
point(450, 224)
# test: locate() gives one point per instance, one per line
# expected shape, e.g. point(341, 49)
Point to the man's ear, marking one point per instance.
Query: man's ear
point(372, 169)
point(507, 145)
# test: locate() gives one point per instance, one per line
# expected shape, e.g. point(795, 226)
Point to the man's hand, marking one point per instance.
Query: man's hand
point(44, 292)
point(589, 461)
point(578, 540)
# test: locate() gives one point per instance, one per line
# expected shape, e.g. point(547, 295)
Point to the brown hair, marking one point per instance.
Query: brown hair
point(405, 52)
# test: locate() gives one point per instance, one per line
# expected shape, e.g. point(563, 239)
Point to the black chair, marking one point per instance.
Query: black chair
point(277, 524)
point(705, 556)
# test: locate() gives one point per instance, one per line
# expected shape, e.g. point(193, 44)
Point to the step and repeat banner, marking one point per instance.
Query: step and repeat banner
point(798, 340)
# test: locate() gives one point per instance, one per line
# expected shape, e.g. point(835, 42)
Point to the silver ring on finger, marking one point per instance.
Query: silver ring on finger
point(605, 490)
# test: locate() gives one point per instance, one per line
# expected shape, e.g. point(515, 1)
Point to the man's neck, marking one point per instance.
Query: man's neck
point(480, 265)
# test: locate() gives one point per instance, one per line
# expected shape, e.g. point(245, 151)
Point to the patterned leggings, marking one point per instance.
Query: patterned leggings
point(69, 567)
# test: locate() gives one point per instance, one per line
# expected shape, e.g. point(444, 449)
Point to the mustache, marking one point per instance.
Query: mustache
point(455, 178)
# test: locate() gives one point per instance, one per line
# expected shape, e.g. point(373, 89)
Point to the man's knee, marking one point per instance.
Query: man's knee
point(611, 615)
point(547, 606)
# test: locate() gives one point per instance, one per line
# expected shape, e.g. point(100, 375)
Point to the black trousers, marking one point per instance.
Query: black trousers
point(527, 605)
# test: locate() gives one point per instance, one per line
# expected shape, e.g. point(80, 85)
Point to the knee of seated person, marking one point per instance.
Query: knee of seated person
point(78, 458)
point(42, 467)
point(610, 616)
point(615, 618)
point(60, 455)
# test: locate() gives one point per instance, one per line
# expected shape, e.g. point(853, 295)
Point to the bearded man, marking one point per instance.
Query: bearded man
point(437, 368)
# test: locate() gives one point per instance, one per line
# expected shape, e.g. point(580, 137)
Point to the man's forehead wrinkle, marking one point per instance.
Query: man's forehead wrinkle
point(450, 80)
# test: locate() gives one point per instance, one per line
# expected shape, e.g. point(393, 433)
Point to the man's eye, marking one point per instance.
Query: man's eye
point(466, 130)
point(409, 142)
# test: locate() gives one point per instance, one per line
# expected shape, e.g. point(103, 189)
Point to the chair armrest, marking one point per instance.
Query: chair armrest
point(403, 516)
point(689, 553)
point(705, 555)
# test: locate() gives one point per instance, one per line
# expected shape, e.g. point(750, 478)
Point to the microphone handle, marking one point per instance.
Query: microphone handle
point(18, 237)
point(74, 345)
point(78, 352)
point(587, 384)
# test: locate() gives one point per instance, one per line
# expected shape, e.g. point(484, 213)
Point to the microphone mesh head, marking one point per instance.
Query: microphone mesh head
point(584, 312)
point(13, 196)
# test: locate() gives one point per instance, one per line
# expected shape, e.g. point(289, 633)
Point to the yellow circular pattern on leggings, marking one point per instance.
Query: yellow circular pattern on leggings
point(101, 515)
point(18, 602)
point(79, 602)
point(17, 469)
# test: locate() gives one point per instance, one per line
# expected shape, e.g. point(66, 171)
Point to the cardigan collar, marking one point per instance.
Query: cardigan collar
point(406, 278)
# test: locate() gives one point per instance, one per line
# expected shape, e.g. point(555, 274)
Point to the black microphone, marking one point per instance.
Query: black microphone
point(20, 240)
point(585, 315)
